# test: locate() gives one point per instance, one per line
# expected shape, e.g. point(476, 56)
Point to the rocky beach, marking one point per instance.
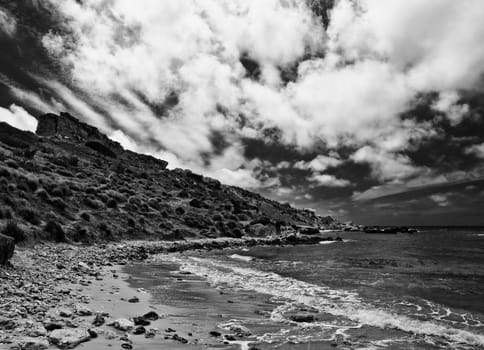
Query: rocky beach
point(63, 295)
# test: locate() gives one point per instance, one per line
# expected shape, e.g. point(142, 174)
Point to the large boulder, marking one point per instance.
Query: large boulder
point(69, 338)
point(7, 246)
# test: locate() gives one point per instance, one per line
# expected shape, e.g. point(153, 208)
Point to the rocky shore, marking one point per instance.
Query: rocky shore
point(43, 292)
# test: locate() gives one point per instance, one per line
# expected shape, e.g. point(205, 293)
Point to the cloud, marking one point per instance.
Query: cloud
point(477, 150)
point(18, 117)
point(320, 163)
point(447, 103)
point(328, 180)
point(385, 165)
point(350, 87)
point(8, 24)
point(441, 199)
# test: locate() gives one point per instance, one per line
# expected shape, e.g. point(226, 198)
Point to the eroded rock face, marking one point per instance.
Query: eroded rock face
point(7, 246)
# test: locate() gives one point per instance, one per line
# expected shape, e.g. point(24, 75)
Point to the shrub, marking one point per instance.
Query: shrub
point(11, 163)
point(85, 216)
point(55, 231)
point(111, 203)
point(93, 203)
point(12, 230)
point(5, 213)
point(5, 172)
point(153, 202)
point(29, 215)
point(58, 203)
point(101, 148)
point(42, 194)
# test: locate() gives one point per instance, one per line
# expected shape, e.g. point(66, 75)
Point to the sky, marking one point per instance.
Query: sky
point(366, 110)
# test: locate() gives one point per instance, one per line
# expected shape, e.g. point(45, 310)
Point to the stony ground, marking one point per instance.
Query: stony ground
point(42, 293)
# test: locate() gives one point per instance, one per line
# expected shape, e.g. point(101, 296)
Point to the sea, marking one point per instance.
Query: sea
point(370, 291)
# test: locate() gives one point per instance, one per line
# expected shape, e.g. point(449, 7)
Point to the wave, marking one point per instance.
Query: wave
point(330, 301)
point(241, 257)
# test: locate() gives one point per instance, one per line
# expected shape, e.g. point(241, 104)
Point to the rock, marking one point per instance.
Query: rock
point(151, 333)
point(7, 246)
point(109, 335)
point(98, 320)
point(152, 316)
point(239, 330)
point(133, 300)
point(65, 313)
point(32, 343)
point(95, 332)
point(139, 330)
point(141, 321)
point(302, 317)
point(127, 346)
point(69, 338)
point(82, 310)
point(215, 334)
point(50, 326)
point(123, 324)
point(177, 338)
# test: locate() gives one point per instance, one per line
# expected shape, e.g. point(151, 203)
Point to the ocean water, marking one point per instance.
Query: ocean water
point(372, 291)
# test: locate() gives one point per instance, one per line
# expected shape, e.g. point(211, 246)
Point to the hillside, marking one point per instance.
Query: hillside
point(69, 182)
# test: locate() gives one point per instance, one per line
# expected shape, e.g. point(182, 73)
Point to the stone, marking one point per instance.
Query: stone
point(123, 324)
point(152, 316)
point(141, 321)
point(139, 330)
point(82, 310)
point(302, 317)
point(133, 300)
point(7, 246)
point(65, 313)
point(32, 343)
point(151, 333)
point(69, 338)
point(98, 320)
point(215, 334)
point(109, 335)
point(239, 330)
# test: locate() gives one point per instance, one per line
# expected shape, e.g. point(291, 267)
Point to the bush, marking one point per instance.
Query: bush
point(5, 213)
point(58, 203)
point(85, 216)
point(29, 215)
point(55, 231)
point(42, 194)
point(11, 163)
point(12, 230)
point(93, 203)
point(101, 148)
point(112, 203)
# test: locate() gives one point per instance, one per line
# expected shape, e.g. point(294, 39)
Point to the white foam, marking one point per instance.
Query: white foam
point(336, 302)
point(241, 257)
point(327, 242)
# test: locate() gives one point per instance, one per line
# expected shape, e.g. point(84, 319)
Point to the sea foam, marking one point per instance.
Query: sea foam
point(342, 303)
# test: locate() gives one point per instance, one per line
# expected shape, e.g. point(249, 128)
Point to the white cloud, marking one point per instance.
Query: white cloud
point(328, 180)
point(477, 150)
point(378, 56)
point(18, 117)
point(320, 163)
point(441, 199)
point(386, 166)
point(8, 25)
point(447, 103)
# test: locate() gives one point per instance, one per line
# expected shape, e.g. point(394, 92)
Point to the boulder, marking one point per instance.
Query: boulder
point(7, 246)
point(302, 317)
point(123, 324)
point(69, 338)
point(32, 343)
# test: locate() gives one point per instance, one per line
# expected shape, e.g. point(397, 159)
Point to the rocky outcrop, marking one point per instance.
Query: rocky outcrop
point(7, 246)
point(66, 126)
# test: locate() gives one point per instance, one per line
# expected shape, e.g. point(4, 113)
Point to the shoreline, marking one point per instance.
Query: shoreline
point(53, 293)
